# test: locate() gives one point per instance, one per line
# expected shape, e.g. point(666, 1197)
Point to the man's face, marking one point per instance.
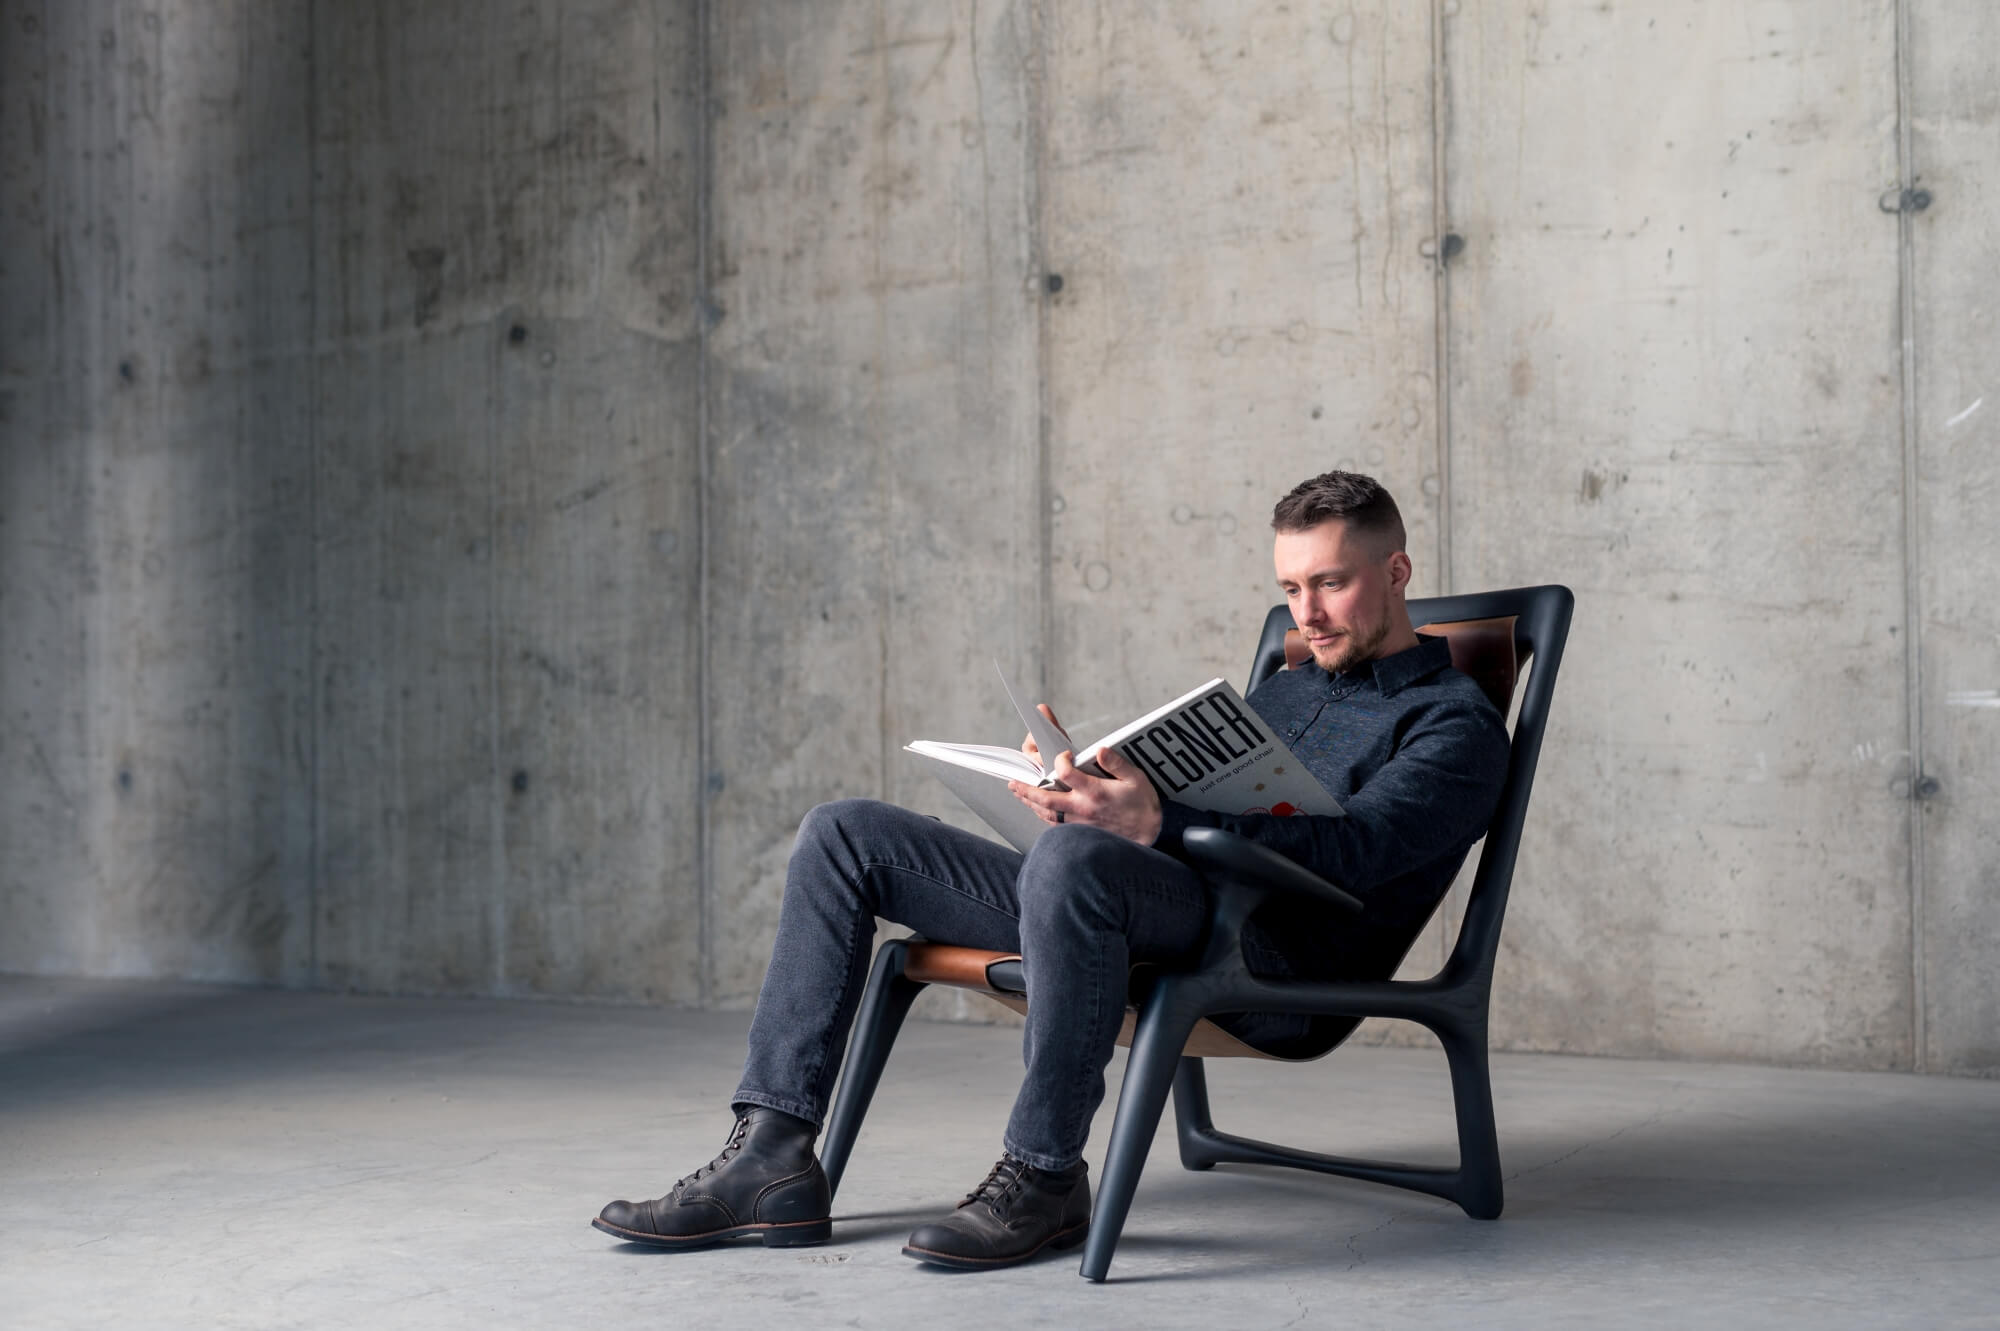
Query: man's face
point(1342, 593)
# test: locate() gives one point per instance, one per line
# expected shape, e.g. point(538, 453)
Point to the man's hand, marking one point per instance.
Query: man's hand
point(1028, 745)
point(1122, 801)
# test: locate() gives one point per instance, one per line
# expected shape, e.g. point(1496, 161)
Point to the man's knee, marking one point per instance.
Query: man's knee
point(1076, 872)
point(848, 824)
point(830, 824)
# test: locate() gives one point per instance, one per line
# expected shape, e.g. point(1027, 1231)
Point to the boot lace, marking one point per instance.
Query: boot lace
point(1000, 1186)
point(729, 1150)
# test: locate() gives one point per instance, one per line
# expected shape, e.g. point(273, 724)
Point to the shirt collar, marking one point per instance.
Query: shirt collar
point(1398, 671)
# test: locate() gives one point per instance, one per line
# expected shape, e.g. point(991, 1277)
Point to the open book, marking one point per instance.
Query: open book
point(1206, 749)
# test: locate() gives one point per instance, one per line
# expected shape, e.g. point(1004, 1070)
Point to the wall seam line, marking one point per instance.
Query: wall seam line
point(1441, 362)
point(1913, 660)
point(314, 697)
point(1441, 316)
point(704, 726)
point(1036, 76)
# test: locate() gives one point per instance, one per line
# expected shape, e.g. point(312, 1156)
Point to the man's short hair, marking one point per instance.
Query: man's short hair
point(1343, 496)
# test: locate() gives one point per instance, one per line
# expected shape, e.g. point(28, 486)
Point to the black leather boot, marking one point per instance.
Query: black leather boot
point(766, 1182)
point(1017, 1212)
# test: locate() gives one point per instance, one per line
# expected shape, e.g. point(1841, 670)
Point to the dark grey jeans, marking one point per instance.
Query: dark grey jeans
point(1081, 908)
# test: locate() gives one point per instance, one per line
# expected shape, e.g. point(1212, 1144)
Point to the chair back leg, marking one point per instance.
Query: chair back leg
point(884, 1004)
point(1192, 1124)
point(1480, 1193)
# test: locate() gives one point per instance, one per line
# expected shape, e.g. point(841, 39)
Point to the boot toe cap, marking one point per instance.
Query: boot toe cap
point(627, 1215)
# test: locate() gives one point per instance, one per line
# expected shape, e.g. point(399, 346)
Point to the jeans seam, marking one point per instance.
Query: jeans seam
point(856, 948)
point(927, 876)
point(1085, 1072)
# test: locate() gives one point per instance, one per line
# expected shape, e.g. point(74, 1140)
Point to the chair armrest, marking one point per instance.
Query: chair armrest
point(1243, 861)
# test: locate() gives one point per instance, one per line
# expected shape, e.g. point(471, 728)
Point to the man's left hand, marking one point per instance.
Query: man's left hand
point(1122, 801)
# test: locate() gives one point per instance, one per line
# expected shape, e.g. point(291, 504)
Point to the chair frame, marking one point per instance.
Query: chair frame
point(1453, 1004)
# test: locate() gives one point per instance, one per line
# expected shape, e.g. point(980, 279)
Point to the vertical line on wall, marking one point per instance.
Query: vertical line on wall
point(1441, 317)
point(496, 831)
point(314, 696)
point(1913, 658)
point(1441, 369)
point(704, 727)
point(878, 386)
point(496, 384)
point(1034, 77)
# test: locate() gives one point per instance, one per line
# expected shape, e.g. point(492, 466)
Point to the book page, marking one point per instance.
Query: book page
point(1049, 737)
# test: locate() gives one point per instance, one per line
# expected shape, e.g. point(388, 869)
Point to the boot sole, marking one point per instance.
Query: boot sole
point(797, 1234)
point(1063, 1238)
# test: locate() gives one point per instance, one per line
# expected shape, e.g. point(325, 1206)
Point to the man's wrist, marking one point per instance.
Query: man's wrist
point(1173, 822)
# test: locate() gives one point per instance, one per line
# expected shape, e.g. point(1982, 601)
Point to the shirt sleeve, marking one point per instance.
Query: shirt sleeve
point(1431, 799)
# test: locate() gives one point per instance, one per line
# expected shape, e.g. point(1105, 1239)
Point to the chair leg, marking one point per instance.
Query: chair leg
point(1192, 1124)
point(1149, 1071)
point(884, 1004)
point(1479, 1191)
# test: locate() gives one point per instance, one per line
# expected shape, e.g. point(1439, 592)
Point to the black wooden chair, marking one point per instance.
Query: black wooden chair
point(1491, 635)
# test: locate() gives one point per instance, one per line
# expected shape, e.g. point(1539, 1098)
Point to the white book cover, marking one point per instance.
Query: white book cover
point(1206, 749)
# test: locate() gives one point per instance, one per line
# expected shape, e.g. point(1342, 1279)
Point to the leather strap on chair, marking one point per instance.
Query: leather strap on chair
point(957, 967)
point(1483, 649)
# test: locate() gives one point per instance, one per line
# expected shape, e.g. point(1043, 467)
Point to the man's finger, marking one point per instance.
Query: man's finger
point(1050, 806)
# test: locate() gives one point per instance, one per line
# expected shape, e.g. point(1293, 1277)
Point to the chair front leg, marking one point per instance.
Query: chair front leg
point(884, 1004)
point(1164, 1024)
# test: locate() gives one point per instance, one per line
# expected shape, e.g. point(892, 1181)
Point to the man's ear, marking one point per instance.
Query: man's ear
point(1400, 570)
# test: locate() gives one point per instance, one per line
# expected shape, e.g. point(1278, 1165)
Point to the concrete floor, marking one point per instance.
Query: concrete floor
point(180, 1156)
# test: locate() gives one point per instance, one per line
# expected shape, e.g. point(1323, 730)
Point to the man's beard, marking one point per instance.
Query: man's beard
point(1357, 645)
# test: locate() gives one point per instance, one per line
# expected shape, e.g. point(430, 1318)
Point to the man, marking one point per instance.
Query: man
point(1411, 748)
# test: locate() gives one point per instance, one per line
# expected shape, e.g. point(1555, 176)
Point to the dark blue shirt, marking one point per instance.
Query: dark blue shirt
point(1416, 755)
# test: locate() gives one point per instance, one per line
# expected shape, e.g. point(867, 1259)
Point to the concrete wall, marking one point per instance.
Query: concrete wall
point(472, 481)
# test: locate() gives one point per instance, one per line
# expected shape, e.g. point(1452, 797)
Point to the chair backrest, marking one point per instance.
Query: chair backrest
point(1540, 618)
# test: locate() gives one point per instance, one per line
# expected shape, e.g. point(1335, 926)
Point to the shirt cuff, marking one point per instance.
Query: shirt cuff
point(1175, 819)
